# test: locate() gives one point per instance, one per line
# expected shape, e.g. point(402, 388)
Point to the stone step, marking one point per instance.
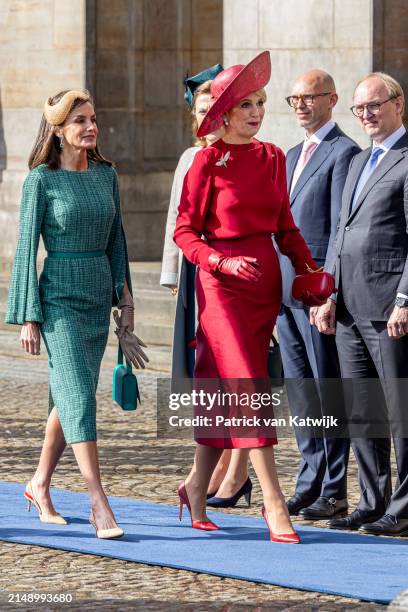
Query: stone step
point(145, 275)
point(4, 285)
point(153, 332)
point(154, 309)
point(152, 304)
point(159, 356)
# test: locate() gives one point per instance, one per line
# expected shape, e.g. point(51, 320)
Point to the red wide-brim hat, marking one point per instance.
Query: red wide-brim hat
point(232, 85)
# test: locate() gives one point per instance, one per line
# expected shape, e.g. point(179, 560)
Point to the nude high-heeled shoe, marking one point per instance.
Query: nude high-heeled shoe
point(106, 534)
point(52, 519)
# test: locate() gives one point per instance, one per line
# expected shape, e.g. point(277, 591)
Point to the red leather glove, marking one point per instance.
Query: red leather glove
point(313, 288)
point(241, 266)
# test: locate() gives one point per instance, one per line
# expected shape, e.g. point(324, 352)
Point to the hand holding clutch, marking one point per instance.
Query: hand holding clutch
point(241, 266)
point(314, 287)
point(130, 344)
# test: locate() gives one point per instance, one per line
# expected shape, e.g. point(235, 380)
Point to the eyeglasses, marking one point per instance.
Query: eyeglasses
point(373, 108)
point(307, 99)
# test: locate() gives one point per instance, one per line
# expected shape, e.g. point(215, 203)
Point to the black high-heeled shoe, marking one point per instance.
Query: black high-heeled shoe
point(231, 502)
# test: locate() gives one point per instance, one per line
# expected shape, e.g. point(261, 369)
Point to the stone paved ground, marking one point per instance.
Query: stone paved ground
point(135, 464)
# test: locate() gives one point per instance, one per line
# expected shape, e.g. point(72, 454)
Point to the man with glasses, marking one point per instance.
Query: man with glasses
point(316, 171)
point(369, 260)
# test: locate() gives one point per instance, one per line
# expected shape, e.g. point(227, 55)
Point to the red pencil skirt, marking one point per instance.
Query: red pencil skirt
point(235, 324)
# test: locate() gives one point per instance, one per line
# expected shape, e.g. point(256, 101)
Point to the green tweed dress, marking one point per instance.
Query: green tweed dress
point(78, 216)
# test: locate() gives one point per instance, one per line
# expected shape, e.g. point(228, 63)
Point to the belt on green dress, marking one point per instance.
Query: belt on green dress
point(74, 254)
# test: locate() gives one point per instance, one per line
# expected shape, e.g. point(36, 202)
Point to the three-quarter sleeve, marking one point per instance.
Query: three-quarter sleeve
point(24, 297)
point(170, 259)
point(194, 202)
point(171, 252)
point(288, 237)
point(116, 249)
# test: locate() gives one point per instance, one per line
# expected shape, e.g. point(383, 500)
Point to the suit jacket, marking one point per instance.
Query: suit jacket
point(369, 255)
point(316, 199)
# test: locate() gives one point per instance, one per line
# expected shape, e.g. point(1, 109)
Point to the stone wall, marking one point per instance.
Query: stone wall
point(138, 52)
point(42, 50)
point(133, 54)
point(335, 35)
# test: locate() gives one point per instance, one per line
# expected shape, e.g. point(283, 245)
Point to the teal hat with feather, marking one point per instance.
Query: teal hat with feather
point(192, 82)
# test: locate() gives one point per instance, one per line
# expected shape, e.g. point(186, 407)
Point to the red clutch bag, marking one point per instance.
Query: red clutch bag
point(313, 288)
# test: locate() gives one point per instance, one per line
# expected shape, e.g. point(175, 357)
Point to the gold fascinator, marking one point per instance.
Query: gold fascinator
point(56, 114)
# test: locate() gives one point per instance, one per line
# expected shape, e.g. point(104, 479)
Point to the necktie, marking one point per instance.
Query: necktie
point(367, 172)
point(307, 151)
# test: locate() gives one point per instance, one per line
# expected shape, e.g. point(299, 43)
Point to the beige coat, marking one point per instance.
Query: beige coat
point(172, 256)
point(173, 272)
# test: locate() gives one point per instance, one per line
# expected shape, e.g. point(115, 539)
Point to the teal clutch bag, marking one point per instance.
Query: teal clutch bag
point(125, 390)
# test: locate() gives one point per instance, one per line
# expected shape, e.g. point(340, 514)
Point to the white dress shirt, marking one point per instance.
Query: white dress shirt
point(389, 142)
point(322, 132)
point(317, 138)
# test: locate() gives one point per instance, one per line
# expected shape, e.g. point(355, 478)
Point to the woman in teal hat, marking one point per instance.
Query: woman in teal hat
point(177, 273)
point(71, 198)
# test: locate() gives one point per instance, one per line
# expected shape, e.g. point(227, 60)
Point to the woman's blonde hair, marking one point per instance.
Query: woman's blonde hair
point(262, 94)
point(47, 148)
point(204, 88)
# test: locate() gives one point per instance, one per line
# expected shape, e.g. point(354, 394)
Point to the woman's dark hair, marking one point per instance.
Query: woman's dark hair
point(47, 149)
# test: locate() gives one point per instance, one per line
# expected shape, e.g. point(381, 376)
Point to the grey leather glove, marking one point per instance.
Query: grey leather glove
point(129, 343)
point(127, 311)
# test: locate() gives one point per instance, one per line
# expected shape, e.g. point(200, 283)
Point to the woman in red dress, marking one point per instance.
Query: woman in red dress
point(234, 198)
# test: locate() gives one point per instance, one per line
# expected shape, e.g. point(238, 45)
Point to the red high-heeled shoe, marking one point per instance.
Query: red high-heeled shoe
point(283, 538)
point(183, 497)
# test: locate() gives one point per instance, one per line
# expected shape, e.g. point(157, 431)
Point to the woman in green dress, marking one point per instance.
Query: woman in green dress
point(71, 198)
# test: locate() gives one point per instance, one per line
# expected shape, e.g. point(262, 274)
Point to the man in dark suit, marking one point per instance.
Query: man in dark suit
point(316, 171)
point(369, 260)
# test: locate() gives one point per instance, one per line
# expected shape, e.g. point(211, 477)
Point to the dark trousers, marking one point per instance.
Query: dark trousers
point(367, 353)
point(307, 354)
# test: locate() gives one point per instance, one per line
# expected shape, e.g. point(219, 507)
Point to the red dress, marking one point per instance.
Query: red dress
point(235, 197)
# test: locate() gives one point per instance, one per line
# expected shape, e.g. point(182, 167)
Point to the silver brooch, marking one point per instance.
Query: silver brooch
point(223, 160)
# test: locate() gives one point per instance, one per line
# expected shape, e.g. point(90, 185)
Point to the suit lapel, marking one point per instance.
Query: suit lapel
point(393, 156)
point(353, 177)
point(318, 157)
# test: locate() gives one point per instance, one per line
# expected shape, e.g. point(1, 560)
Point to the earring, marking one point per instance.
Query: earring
point(226, 121)
point(61, 142)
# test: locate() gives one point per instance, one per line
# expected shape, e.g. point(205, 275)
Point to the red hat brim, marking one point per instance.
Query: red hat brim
point(252, 77)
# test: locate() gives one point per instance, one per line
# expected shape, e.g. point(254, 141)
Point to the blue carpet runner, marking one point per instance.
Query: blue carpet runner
point(339, 563)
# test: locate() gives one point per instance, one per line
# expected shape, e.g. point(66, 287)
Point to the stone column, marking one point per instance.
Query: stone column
point(42, 50)
point(138, 53)
point(335, 35)
point(390, 38)
point(132, 55)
